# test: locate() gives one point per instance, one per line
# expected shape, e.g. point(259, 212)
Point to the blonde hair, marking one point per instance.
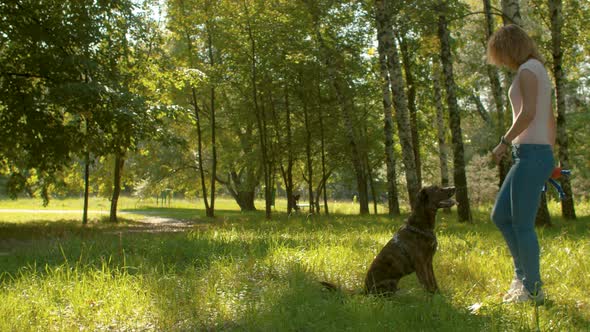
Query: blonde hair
point(511, 46)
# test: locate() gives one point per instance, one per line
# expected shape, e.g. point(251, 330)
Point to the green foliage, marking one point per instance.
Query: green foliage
point(116, 78)
point(68, 85)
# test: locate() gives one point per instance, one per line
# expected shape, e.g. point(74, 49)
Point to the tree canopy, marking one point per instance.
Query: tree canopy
point(319, 99)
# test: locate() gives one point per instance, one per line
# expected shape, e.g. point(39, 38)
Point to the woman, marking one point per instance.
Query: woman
point(532, 136)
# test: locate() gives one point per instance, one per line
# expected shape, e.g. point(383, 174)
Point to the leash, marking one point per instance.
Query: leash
point(557, 173)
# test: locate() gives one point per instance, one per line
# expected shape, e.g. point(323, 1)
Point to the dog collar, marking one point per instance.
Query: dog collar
point(428, 234)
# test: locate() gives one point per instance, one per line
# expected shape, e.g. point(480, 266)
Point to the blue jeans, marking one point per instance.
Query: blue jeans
point(516, 208)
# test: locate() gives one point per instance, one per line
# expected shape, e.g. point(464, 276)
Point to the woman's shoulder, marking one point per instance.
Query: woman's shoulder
point(533, 65)
point(538, 69)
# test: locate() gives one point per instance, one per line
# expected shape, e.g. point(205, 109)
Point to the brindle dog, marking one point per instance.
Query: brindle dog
point(413, 246)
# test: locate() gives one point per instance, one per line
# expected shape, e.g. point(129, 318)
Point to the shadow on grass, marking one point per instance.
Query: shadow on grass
point(299, 303)
point(45, 245)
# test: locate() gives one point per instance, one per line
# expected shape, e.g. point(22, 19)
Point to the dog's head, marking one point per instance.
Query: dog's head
point(435, 197)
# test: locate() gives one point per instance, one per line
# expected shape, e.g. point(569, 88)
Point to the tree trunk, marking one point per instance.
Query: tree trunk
point(321, 187)
point(197, 112)
point(459, 176)
point(543, 218)
point(119, 162)
point(211, 210)
point(288, 173)
point(511, 15)
point(511, 12)
point(86, 184)
point(386, 38)
point(243, 192)
point(443, 149)
point(481, 110)
point(392, 194)
point(372, 184)
point(334, 62)
point(407, 63)
point(567, 204)
point(260, 118)
point(497, 94)
point(322, 142)
point(493, 75)
point(307, 149)
point(200, 151)
point(245, 200)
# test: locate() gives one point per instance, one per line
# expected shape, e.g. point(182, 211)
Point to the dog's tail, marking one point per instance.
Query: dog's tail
point(333, 288)
point(329, 286)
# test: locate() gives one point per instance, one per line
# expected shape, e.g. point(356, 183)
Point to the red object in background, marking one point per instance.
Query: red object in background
point(556, 174)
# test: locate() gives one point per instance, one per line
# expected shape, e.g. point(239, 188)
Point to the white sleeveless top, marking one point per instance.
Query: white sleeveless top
point(538, 130)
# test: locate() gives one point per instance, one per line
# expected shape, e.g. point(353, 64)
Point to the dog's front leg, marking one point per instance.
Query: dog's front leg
point(431, 277)
point(425, 275)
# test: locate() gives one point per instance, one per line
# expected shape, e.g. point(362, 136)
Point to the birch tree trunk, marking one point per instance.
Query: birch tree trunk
point(511, 12)
point(443, 149)
point(567, 204)
point(492, 72)
point(407, 64)
point(392, 194)
point(497, 94)
point(459, 175)
point(511, 15)
point(386, 37)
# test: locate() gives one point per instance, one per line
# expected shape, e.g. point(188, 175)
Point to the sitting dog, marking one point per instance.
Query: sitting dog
point(412, 247)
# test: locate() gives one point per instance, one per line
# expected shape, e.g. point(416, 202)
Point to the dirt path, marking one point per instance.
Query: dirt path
point(53, 211)
point(147, 223)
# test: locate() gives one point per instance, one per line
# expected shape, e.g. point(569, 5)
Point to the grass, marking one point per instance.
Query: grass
point(240, 272)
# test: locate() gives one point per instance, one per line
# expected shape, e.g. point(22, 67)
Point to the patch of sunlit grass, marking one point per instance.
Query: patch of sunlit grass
point(241, 272)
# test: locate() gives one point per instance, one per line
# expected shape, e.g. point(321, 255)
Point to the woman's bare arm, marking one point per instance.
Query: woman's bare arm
point(552, 128)
point(528, 91)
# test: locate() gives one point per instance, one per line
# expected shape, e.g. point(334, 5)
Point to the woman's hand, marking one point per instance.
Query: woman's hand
point(499, 152)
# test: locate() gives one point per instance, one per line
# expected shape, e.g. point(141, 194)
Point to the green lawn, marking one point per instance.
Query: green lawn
point(240, 272)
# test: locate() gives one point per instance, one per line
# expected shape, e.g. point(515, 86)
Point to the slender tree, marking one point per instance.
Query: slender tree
point(497, 93)
point(210, 211)
point(441, 131)
point(259, 112)
point(459, 176)
point(408, 64)
point(511, 15)
point(325, 174)
point(334, 63)
point(555, 8)
point(392, 196)
point(386, 35)
point(308, 158)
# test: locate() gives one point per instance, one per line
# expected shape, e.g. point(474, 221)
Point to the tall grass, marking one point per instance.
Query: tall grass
point(241, 272)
